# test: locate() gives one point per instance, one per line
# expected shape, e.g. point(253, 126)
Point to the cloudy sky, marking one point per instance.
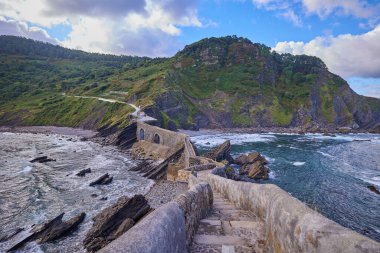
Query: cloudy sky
point(343, 33)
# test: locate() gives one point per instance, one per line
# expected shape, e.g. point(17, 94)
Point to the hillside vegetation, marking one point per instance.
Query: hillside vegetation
point(216, 82)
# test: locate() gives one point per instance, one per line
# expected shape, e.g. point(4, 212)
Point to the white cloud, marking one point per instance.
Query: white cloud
point(347, 55)
point(357, 8)
point(111, 26)
point(292, 17)
point(17, 28)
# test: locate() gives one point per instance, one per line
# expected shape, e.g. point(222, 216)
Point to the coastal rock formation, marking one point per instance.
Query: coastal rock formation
point(42, 159)
point(83, 172)
point(221, 152)
point(253, 165)
point(113, 221)
point(48, 231)
point(373, 189)
point(105, 179)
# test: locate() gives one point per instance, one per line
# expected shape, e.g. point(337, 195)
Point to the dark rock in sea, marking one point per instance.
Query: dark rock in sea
point(48, 231)
point(221, 152)
point(103, 198)
point(83, 172)
point(61, 229)
point(94, 195)
point(373, 189)
point(42, 159)
point(253, 165)
point(105, 179)
point(10, 234)
point(113, 221)
point(83, 139)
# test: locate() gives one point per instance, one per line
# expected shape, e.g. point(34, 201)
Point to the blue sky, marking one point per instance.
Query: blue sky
point(343, 33)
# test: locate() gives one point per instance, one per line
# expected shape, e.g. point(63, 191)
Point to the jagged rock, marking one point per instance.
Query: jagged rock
point(60, 229)
point(105, 179)
point(253, 165)
point(83, 172)
point(48, 231)
point(113, 221)
point(42, 159)
point(221, 152)
point(241, 160)
point(373, 189)
point(10, 234)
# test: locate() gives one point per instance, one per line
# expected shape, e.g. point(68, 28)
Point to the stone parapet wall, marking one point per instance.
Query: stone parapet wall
point(290, 225)
point(167, 138)
point(163, 230)
point(195, 204)
point(170, 228)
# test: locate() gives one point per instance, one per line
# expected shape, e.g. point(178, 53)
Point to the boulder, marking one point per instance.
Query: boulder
point(42, 159)
point(241, 160)
point(373, 189)
point(83, 172)
point(48, 231)
point(8, 235)
point(113, 221)
point(105, 179)
point(221, 152)
point(253, 165)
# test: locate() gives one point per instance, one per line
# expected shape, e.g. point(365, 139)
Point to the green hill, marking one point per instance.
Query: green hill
point(216, 82)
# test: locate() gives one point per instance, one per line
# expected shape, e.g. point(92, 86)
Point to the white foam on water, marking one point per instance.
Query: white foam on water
point(272, 175)
point(325, 154)
point(210, 140)
point(27, 169)
point(269, 159)
point(299, 163)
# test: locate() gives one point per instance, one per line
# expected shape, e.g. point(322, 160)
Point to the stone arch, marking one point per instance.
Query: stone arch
point(156, 139)
point(142, 134)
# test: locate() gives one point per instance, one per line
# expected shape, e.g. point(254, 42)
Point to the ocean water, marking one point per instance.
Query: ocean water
point(329, 174)
point(31, 193)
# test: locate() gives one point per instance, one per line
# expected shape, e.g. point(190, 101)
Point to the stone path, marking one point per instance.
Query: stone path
point(228, 229)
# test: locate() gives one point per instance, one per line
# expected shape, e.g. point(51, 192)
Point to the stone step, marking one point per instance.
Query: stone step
point(244, 224)
point(211, 222)
point(224, 206)
point(219, 240)
point(228, 249)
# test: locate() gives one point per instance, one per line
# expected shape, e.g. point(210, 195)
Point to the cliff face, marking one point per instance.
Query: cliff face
point(231, 82)
point(213, 83)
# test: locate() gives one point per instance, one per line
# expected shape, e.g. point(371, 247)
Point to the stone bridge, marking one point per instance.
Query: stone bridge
point(161, 144)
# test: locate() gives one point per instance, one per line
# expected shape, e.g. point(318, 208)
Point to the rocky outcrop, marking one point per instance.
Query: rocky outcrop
point(373, 188)
point(83, 172)
point(105, 179)
point(113, 221)
point(253, 165)
point(42, 159)
point(48, 231)
point(221, 152)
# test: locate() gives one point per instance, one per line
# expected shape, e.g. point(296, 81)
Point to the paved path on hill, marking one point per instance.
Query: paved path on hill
point(228, 229)
point(137, 113)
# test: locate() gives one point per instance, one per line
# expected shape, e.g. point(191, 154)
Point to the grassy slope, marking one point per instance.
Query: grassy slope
point(227, 78)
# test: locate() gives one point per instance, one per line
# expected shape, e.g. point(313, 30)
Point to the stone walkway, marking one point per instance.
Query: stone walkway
point(228, 229)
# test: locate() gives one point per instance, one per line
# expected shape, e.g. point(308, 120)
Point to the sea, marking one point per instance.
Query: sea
point(329, 174)
point(32, 193)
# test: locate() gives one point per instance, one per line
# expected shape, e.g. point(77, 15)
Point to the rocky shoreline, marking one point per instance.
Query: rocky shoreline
point(160, 193)
point(273, 130)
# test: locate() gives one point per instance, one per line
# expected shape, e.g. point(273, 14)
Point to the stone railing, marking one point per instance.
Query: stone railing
point(184, 174)
point(290, 225)
point(170, 228)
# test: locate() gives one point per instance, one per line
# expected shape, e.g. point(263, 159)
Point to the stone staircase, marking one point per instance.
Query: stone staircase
point(228, 229)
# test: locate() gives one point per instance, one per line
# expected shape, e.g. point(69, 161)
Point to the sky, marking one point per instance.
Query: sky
point(345, 34)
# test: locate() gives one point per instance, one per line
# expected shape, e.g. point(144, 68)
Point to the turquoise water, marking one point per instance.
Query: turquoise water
point(330, 174)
